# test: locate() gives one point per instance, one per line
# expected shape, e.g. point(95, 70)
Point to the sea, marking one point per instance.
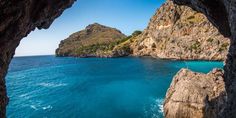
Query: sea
point(66, 87)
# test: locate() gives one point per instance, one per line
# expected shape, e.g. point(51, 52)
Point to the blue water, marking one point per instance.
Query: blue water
point(50, 87)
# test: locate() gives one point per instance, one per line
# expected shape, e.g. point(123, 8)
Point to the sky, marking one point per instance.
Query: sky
point(125, 15)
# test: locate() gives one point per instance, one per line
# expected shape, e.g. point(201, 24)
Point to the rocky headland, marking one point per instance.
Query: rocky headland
point(181, 33)
point(174, 32)
point(94, 41)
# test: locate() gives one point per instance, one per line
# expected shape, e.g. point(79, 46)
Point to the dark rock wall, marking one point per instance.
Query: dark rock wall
point(222, 13)
point(215, 10)
point(17, 19)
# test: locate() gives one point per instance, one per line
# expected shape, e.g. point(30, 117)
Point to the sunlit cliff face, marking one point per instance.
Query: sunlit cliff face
point(222, 13)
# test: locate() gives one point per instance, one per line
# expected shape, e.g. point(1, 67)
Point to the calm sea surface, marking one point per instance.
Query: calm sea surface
point(52, 87)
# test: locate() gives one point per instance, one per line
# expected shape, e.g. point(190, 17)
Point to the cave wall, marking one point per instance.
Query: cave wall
point(222, 13)
point(17, 19)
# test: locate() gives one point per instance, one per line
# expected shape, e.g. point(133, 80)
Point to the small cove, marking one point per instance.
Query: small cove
point(48, 86)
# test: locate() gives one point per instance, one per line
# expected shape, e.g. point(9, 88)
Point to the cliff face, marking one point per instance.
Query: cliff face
point(95, 40)
point(20, 17)
point(178, 32)
point(196, 95)
point(17, 19)
point(222, 13)
point(174, 32)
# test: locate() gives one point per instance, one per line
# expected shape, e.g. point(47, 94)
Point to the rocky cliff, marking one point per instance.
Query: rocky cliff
point(94, 41)
point(196, 95)
point(174, 32)
point(17, 19)
point(222, 14)
point(178, 32)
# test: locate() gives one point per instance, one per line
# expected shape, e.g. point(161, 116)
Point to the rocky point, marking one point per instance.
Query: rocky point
point(94, 41)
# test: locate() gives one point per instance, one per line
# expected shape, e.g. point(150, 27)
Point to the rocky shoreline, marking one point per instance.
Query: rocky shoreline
point(22, 18)
point(178, 32)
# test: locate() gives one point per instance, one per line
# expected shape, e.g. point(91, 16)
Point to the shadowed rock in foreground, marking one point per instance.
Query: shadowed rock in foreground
point(17, 19)
point(196, 95)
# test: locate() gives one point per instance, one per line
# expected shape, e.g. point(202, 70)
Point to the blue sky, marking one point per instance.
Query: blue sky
point(125, 15)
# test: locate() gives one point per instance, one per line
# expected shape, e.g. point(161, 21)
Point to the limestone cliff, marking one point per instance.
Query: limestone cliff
point(174, 32)
point(178, 32)
point(222, 14)
point(196, 95)
point(94, 41)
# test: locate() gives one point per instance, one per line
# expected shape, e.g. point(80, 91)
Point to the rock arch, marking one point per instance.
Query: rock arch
point(19, 17)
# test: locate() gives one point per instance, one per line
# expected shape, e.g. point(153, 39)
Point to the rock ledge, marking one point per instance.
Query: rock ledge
point(196, 95)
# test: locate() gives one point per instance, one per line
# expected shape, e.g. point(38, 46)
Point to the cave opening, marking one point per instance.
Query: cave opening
point(19, 18)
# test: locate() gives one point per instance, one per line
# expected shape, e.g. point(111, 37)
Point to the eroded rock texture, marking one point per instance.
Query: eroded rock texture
point(17, 19)
point(222, 13)
point(196, 95)
point(179, 32)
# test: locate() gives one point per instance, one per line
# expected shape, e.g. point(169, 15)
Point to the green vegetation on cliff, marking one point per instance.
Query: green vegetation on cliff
point(96, 41)
point(179, 32)
point(88, 42)
point(99, 49)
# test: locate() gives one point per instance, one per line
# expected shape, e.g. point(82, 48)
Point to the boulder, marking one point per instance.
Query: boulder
point(196, 95)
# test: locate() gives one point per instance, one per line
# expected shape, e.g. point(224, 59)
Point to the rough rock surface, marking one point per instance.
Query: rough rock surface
point(179, 32)
point(17, 19)
point(94, 41)
point(222, 13)
point(196, 95)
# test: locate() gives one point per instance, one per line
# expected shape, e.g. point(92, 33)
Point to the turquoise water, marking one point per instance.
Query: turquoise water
point(50, 87)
